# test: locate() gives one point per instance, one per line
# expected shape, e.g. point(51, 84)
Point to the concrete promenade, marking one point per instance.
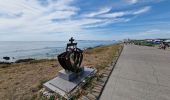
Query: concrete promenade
point(141, 73)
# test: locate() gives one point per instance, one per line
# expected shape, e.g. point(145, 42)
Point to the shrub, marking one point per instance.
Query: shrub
point(24, 60)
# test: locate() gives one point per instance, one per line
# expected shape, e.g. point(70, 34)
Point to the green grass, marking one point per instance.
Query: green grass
point(144, 43)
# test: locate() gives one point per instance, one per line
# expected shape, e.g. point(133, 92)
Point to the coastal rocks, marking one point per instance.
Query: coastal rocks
point(6, 58)
point(10, 60)
point(4, 62)
point(46, 94)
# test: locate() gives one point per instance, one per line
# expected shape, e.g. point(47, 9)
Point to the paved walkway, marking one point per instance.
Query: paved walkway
point(141, 73)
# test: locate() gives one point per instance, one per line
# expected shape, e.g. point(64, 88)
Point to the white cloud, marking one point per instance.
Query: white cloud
point(101, 11)
point(107, 22)
point(29, 18)
point(124, 13)
point(34, 15)
point(132, 1)
point(114, 14)
point(143, 10)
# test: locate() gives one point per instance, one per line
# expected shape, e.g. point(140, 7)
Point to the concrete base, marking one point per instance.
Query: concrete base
point(64, 87)
point(68, 75)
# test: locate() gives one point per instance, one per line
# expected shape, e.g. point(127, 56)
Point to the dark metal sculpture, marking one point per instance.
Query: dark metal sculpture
point(72, 58)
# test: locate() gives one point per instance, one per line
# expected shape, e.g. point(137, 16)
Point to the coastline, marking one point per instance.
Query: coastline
point(13, 51)
point(27, 59)
point(26, 78)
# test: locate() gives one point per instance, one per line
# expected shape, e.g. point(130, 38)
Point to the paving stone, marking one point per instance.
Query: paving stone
point(97, 90)
point(99, 84)
point(91, 96)
point(96, 94)
point(84, 98)
point(105, 75)
point(108, 68)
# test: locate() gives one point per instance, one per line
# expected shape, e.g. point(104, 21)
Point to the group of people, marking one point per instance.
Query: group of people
point(163, 45)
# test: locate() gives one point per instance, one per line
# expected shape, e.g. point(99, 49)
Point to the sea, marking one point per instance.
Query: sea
point(41, 49)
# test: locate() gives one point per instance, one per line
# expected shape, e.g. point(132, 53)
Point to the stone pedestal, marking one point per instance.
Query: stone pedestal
point(68, 75)
point(67, 82)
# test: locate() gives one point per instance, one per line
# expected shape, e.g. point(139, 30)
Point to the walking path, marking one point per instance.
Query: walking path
point(141, 73)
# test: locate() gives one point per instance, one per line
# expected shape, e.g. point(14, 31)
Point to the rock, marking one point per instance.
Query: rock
point(5, 62)
point(42, 90)
point(47, 94)
point(6, 58)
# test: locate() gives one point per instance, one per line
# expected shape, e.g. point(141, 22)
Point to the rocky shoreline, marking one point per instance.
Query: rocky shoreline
point(17, 61)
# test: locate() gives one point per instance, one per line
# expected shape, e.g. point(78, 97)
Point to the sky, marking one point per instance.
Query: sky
point(58, 20)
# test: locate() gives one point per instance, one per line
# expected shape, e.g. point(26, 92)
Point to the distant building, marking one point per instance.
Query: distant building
point(149, 40)
point(167, 41)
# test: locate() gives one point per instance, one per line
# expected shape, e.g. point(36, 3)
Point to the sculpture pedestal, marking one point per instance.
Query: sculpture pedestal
point(61, 84)
point(68, 75)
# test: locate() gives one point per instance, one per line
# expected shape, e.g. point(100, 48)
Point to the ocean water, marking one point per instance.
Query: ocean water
point(40, 50)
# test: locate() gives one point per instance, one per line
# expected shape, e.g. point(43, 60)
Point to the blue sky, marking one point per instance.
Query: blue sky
point(51, 20)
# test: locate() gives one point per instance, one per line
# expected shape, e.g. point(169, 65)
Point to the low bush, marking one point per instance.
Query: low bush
point(24, 60)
